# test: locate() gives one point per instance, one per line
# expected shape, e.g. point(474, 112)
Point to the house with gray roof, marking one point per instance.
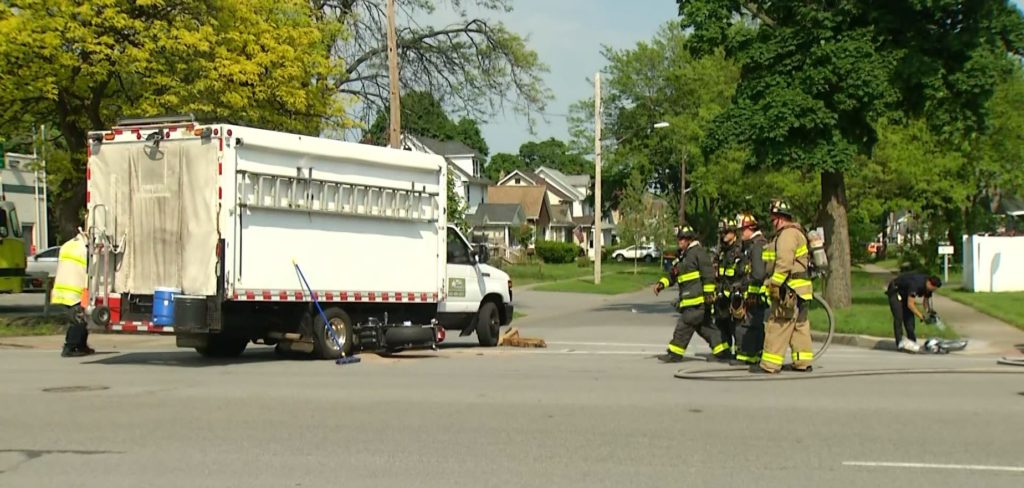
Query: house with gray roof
point(463, 162)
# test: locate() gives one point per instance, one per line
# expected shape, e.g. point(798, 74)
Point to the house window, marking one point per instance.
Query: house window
point(519, 181)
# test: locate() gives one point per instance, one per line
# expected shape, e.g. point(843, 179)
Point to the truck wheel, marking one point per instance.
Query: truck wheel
point(398, 338)
point(487, 324)
point(323, 344)
point(222, 346)
point(648, 258)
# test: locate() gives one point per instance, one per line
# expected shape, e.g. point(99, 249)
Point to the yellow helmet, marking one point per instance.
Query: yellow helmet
point(745, 220)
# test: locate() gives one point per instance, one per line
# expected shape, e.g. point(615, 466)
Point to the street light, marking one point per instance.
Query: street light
point(598, 237)
point(682, 181)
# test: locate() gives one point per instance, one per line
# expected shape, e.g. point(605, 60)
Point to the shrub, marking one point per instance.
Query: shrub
point(583, 262)
point(557, 252)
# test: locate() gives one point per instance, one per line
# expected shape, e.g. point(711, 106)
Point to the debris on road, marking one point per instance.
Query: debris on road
point(511, 338)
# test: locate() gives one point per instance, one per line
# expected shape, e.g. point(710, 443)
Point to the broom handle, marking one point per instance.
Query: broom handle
point(327, 324)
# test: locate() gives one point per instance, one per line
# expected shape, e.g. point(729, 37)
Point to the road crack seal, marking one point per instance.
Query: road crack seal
point(32, 454)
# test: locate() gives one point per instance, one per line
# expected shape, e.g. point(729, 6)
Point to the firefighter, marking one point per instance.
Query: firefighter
point(789, 291)
point(750, 330)
point(693, 273)
point(729, 302)
point(68, 286)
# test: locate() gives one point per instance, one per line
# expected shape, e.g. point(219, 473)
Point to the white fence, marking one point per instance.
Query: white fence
point(993, 264)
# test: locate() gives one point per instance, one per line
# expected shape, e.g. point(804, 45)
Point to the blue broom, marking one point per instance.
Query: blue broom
point(327, 324)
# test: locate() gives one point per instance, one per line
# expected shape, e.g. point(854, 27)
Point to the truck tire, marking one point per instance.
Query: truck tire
point(223, 346)
point(488, 323)
point(398, 338)
point(648, 258)
point(323, 345)
point(620, 258)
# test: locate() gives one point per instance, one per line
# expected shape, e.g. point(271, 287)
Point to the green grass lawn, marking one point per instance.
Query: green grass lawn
point(612, 282)
point(1006, 306)
point(533, 273)
point(528, 274)
point(869, 314)
point(30, 326)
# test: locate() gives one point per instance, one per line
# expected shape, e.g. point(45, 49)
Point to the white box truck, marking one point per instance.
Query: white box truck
point(194, 228)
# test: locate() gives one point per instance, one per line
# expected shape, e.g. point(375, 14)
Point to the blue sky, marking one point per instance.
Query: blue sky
point(568, 35)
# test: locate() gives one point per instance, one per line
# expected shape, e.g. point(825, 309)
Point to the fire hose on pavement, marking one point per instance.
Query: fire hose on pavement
point(742, 374)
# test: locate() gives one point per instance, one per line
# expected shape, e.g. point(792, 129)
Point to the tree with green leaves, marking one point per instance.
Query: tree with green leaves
point(79, 66)
point(423, 115)
point(456, 207)
point(554, 154)
point(551, 153)
point(817, 77)
point(474, 64)
point(502, 164)
point(660, 81)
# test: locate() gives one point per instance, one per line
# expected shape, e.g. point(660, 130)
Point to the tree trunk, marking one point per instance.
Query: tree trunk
point(69, 209)
point(837, 235)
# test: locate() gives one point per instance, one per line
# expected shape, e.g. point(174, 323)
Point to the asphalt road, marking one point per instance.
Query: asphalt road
point(593, 409)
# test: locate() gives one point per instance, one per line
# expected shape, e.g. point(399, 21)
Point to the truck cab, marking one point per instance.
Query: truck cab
point(478, 297)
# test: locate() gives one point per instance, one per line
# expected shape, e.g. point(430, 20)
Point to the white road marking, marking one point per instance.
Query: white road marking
point(968, 467)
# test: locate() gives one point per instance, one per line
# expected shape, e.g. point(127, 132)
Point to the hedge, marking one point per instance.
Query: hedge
point(557, 252)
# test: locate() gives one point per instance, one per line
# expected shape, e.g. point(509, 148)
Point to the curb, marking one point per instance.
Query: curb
point(862, 341)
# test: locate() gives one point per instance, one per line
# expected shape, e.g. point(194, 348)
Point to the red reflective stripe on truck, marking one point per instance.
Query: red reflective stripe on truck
point(342, 296)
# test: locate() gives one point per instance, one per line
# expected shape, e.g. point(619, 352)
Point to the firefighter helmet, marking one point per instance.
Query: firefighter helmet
point(780, 207)
point(745, 220)
point(726, 225)
point(686, 232)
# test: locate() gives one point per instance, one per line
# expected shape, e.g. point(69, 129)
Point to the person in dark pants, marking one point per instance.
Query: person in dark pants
point(693, 274)
point(68, 287)
point(902, 291)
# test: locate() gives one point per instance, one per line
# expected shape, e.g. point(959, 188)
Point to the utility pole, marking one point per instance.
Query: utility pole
point(395, 129)
point(682, 191)
point(597, 179)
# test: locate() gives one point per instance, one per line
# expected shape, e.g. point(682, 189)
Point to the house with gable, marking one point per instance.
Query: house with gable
point(464, 163)
point(562, 189)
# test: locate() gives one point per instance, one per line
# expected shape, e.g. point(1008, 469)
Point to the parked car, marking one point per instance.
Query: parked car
point(41, 266)
point(646, 252)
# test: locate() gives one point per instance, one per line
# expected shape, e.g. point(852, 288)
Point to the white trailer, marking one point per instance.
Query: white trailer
point(219, 212)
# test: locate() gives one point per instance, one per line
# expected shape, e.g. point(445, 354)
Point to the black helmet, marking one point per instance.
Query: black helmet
point(780, 207)
point(686, 232)
point(727, 225)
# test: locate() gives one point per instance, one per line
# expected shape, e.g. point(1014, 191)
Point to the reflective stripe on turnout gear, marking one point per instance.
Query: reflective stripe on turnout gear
point(693, 275)
point(778, 278)
point(690, 302)
point(801, 251)
point(710, 288)
point(768, 255)
point(803, 356)
point(664, 282)
point(674, 349)
point(719, 348)
point(771, 358)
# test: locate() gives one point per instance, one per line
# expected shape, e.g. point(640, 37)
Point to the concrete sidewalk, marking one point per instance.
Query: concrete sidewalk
point(986, 335)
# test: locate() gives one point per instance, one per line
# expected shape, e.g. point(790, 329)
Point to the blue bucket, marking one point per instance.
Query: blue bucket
point(163, 305)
